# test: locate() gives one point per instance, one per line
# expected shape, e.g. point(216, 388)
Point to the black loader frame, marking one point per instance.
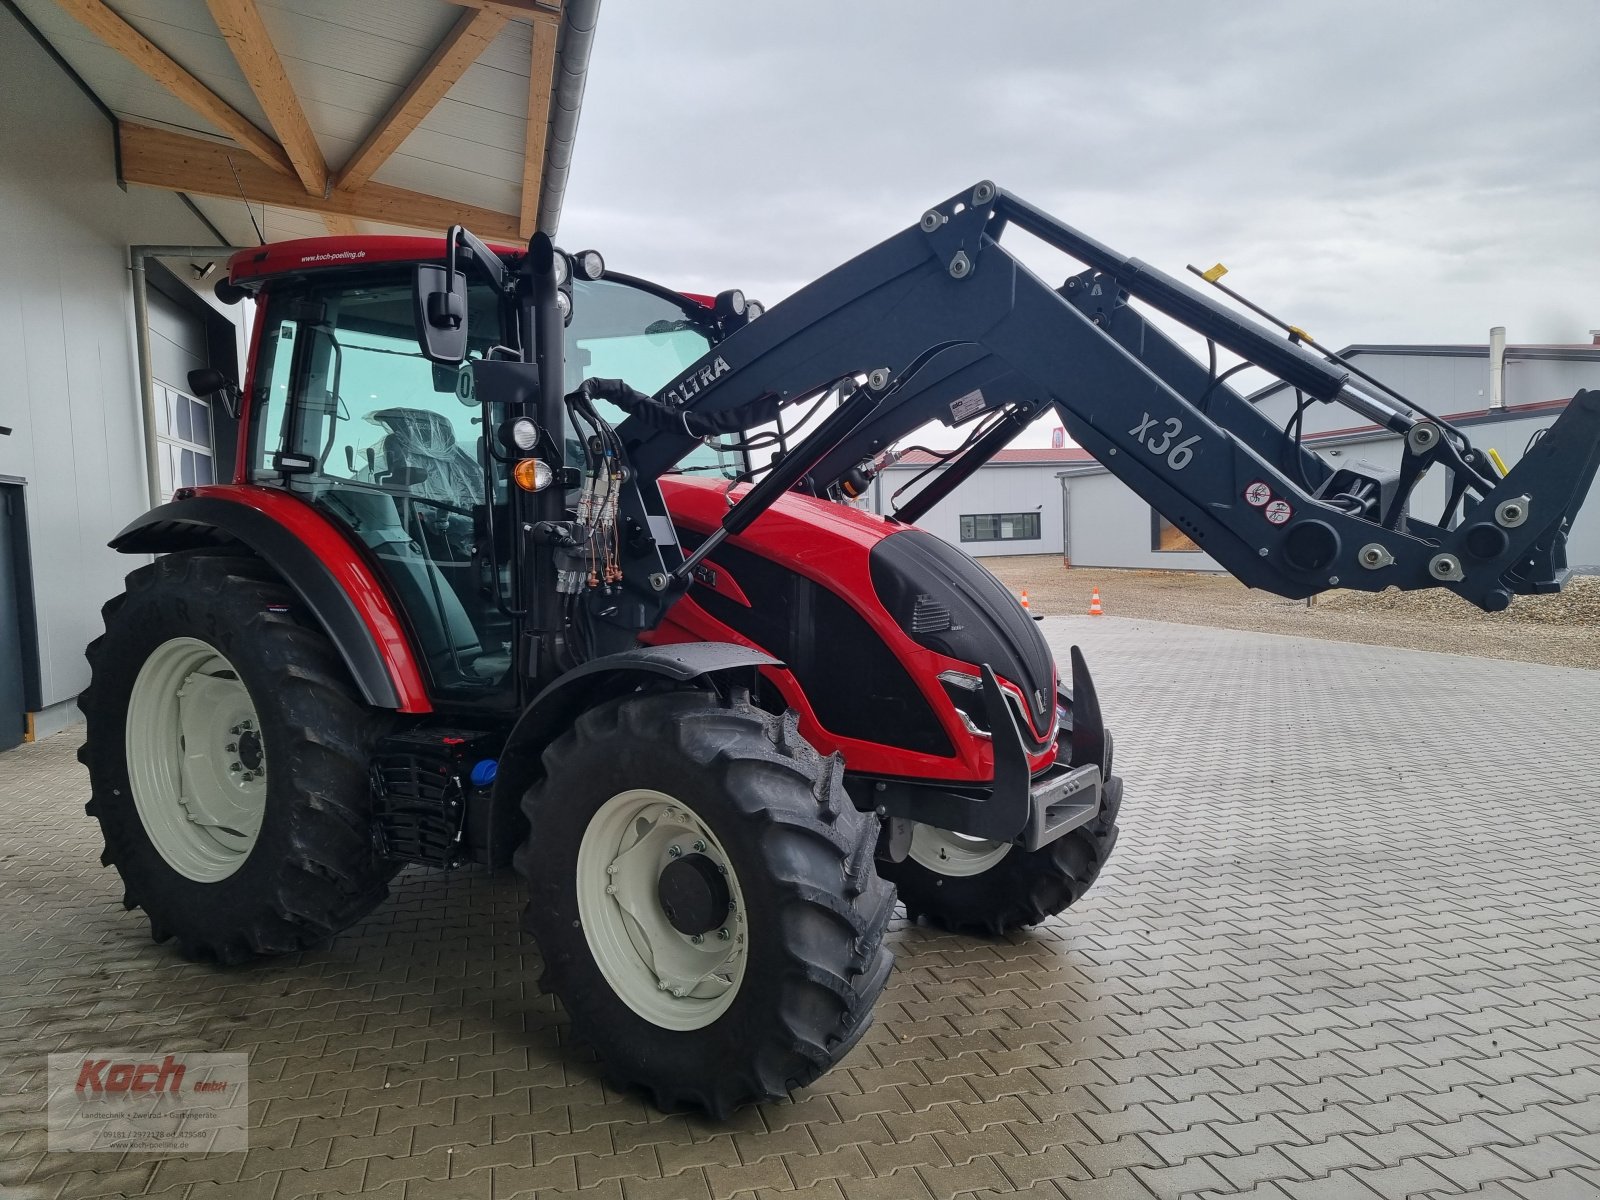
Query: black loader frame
point(944, 323)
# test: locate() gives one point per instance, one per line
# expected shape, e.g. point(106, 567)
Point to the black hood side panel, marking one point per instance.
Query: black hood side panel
point(985, 625)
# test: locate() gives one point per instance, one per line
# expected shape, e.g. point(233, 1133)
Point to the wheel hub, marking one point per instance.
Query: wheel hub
point(249, 747)
point(945, 852)
point(694, 895)
point(661, 909)
point(197, 764)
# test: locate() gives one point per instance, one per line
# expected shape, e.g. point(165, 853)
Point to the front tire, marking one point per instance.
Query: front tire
point(970, 886)
point(703, 895)
point(227, 755)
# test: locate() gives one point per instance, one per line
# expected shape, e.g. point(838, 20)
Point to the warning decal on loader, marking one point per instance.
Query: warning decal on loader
point(1278, 512)
point(1257, 494)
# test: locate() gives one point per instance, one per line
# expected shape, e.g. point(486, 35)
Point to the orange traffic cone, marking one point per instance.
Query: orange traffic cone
point(1025, 607)
point(1094, 604)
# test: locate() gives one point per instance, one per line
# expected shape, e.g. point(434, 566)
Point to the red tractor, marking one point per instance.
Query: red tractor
point(527, 561)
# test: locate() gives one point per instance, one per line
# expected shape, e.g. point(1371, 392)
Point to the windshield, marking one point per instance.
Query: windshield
point(622, 331)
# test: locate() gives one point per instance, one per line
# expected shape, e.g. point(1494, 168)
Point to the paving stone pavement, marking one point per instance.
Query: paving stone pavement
point(1348, 947)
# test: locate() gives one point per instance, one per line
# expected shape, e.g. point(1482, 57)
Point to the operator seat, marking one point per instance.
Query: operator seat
point(425, 443)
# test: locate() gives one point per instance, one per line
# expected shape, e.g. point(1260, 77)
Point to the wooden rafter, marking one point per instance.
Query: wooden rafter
point(518, 10)
point(156, 63)
point(177, 162)
point(338, 224)
point(246, 34)
point(541, 75)
point(469, 37)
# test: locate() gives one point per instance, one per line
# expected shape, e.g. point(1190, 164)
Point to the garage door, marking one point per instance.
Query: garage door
point(183, 422)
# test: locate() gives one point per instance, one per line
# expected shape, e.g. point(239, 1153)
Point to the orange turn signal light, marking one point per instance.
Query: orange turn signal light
point(532, 474)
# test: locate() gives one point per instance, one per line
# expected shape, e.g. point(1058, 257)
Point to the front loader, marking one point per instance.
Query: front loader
point(526, 560)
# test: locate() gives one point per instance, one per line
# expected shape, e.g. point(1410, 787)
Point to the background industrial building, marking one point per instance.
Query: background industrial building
point(1063, 502)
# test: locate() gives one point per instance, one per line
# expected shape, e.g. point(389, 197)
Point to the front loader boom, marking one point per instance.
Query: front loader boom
point(945, 324)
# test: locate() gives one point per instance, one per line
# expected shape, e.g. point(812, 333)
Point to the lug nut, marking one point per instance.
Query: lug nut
point(674, 851)
point(611, 889)
point(697, 939)
point(699, 847)
point(723, 935)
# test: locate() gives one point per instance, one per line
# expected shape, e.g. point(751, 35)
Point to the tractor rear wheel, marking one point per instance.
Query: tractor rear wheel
point(704, 898)
point(968, 885)
point(227, 755)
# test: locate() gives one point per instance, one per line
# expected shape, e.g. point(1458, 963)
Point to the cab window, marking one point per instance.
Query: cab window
point(621, 331)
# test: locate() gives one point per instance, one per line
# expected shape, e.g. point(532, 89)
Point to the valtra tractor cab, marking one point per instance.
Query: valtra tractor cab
point(525, 560)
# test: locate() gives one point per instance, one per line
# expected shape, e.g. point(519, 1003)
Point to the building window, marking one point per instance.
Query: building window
point(183, 437)
point(1164, 535)
point(1000, 527)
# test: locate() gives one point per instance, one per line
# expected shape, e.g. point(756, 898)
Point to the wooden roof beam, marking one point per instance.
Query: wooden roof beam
point(127, 41)
point(541, 75)
point(519, 10)
point(246, 34)
point(181, 163)
point(469, 37)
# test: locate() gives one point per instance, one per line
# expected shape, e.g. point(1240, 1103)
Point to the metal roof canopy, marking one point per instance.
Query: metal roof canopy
point(394, 114)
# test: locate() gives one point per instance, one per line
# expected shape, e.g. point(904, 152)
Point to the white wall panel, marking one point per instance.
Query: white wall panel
point(66, 336)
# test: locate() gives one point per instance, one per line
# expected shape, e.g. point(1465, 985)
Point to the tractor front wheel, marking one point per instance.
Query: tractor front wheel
point(704, 898)
point(969, 885)
point(227, 754)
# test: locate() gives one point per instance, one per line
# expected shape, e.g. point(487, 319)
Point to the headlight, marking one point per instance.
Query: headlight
point(521, 434)
point(588, 264)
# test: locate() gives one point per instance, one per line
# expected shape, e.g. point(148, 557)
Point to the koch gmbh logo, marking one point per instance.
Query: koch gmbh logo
point(104, 1075)
point(177, 1103)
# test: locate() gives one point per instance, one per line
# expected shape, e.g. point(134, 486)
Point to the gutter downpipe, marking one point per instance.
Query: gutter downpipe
point(141, 341)
point(574, 43)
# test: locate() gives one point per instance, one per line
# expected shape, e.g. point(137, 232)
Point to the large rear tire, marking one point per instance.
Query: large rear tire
point(704, 897)
point(227, 754)
point(970, 886)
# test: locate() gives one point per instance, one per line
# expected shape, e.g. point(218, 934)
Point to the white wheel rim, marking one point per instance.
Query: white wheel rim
point(196, 761)
point(667, 977)
point(946, 853)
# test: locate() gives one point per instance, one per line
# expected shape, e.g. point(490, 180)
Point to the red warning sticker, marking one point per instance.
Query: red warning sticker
point(1257, 494)
point(1278, 512)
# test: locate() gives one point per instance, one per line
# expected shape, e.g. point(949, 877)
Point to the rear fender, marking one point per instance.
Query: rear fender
point(581, 689)
point(313, 557)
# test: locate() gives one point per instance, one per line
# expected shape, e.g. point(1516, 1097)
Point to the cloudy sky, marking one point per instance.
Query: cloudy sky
point(1398, 171)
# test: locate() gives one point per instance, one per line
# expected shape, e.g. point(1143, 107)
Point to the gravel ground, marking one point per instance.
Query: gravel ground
point(1562, 630)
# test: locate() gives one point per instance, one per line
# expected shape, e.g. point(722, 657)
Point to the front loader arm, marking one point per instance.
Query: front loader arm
point(944, 323)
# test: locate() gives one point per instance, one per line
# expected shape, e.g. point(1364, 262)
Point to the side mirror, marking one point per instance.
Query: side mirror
point(208, 381)
point(440, 296)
